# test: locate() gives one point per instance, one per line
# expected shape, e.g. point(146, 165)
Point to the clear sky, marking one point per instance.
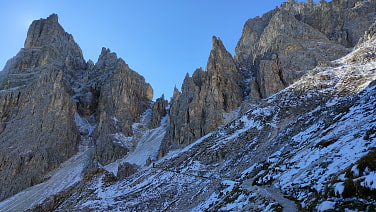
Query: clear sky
point(160, 39)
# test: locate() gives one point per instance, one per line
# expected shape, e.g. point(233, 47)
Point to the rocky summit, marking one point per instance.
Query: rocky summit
point(288, 123)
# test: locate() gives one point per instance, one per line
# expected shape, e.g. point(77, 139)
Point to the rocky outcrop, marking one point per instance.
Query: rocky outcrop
point(277, 49)
point(205, 96)
point(126, 170)
point(158, 111)
point(37, 127)
point(47, 44)
point(368, 35)
point(123, 95)
point(41, 90)
point(365, 53)
point(342, 21)
point(306, 142)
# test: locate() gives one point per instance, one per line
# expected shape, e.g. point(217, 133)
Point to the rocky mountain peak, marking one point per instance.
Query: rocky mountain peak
point(107, 60)
point(121, 96)
point(220, 60)
point(205, 97)
point(34, 100)
point(46, 89)
point(41, 31)
point(47, 32)
point(217, 45)
point(47, 44)
point(106, 54)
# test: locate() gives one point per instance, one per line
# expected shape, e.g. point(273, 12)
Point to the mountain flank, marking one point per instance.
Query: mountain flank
point(286, 124)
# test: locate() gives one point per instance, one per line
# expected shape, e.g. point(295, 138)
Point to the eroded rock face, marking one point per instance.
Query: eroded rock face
point(205, 96)
point(46, 43)
point(277, 49)
point(123, 97)
point(37, 128)
point(41, 89)
point(159, 110)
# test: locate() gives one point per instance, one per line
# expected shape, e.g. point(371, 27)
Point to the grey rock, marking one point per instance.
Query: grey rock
point(37, 132)
point(109, 177)
point(37, 125)
point(123, 95)
point(158, 112)
point(41, 89)
point(302, 36)
point(125, 170)
point(205, 96)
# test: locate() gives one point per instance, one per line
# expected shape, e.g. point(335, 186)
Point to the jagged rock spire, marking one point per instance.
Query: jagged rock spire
point(199, 108)
point(41, 32)
point(48, 32)
point(47, 43)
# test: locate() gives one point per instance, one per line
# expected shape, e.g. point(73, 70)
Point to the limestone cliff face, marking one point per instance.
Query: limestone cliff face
point(205, 96)
point(37, 128)
point(123, 97)
point(44, 87)
point(159, 110)
point(48, 83)
point(46, 44)
point(277, 49)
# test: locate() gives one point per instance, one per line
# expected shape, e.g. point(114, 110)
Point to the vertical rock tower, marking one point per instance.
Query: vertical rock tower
point(37, 128)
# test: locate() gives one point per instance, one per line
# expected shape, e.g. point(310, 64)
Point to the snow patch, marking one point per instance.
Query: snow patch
point(355, 171)
point(84, 125)
point(339, 188)
point(369, 181)
point(326, 205)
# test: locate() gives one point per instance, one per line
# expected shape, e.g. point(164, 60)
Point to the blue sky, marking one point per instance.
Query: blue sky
point(162, 40)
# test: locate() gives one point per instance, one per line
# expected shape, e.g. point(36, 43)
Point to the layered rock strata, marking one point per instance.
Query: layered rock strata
point(273, 52)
